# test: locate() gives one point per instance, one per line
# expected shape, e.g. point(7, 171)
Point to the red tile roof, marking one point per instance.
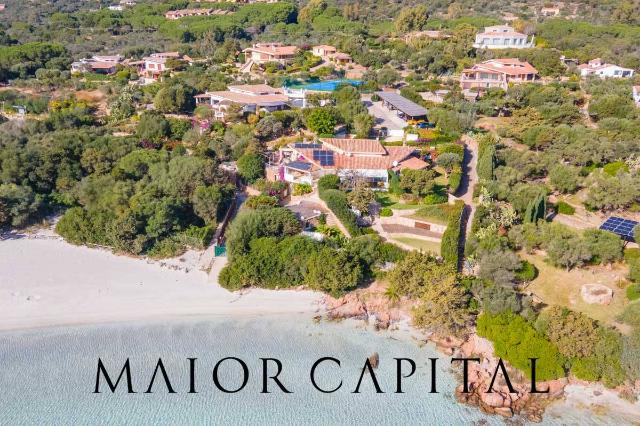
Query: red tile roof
point(393, 155)
point(355, 146)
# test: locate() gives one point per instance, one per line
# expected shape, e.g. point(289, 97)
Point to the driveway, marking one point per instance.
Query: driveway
point(383, 116)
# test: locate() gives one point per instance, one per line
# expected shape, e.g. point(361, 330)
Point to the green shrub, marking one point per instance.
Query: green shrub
point(434, 198)
point(565, 208)
point(516, 341)
point(451, 148)
point(612, 169)
point(634, 270)
point(328, 182)
point(302, 189)
point(527, 272)
point(631, 254)
point(633, 291)
point(450, 245)
point(386, 212)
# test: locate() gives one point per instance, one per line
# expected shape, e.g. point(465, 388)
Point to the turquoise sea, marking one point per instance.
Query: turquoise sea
point(47, 376)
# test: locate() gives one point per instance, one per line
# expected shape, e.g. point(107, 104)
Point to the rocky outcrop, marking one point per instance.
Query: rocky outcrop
point(373, 306)
point(501, 401)
point(596, 293)
point(369, 304)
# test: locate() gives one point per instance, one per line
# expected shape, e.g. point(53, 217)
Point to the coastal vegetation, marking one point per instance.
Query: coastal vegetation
point(144, 170)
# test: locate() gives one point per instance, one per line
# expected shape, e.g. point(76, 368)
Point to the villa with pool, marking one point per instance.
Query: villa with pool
point(298, 92)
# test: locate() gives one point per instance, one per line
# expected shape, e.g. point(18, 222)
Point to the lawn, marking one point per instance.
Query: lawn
point(387, 199)
point(436, 213)
point(559, 287)
point(417, 243)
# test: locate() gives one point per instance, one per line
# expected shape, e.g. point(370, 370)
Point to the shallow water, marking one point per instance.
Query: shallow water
point(48, 376)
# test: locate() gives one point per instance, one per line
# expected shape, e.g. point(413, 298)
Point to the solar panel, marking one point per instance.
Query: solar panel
point(324, 157)
point(299, 165)
point(307, 145)
point(619, 226)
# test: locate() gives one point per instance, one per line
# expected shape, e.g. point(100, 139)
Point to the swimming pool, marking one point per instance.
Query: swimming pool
point(327, 86)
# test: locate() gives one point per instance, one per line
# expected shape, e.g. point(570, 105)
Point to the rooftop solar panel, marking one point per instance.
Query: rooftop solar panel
point(324, 157)
point(620, 226)
point(307, 145)
point(299, 165)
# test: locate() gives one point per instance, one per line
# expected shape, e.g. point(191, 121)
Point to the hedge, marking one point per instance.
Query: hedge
point(386, 212)
point(455, 178)
point(450, 245)
point(337, 202)
point(486, 158)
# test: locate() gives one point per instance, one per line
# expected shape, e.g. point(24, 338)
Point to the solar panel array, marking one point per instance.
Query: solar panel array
point(300, 165)
point(307, 145)
point(619, 226)
point(324, 157)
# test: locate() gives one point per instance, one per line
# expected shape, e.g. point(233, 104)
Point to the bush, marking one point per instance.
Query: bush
point(516, 341)
point(527, 272)
point(432, 199)
point(328, 182)
point(337, 202)
point(565, 208)
point(631, 254)
point(612, 169)
point(633, 291)
point(251, 167)
point(261, 201)
point(450, 245)
point(386, 212)
point(302, 189)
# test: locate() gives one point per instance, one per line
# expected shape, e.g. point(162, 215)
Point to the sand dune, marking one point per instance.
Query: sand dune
point(45, 281)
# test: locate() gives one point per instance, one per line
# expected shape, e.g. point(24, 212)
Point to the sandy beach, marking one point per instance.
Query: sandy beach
point(45, 281)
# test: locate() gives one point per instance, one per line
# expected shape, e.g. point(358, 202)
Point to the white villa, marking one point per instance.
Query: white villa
point(502, 37)
point(603, 70)
point(251, 97)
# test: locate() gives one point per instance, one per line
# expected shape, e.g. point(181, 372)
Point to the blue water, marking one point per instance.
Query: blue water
point(327, 86)
point(47, 376)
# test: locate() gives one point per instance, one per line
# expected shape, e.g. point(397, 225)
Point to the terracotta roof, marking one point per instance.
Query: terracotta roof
point(504, 66)
point(325, 47)
point(356, 146)
point(362, 162)
point(413, 163)
point(274, 50)
point(101, 65)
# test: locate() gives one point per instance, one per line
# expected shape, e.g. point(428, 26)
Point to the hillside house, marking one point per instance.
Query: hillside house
point(153, 66)
point(502, 37)
point(183, 13)
point(252, 98)
point(262, 53)
point(99, 64)
point(603, 70)
point(350, 159)
point(497, 73)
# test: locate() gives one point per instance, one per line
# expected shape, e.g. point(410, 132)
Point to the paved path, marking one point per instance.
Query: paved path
point(469, 178)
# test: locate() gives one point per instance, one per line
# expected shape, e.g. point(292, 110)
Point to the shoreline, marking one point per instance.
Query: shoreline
point(47, 282)
point(132, 290)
